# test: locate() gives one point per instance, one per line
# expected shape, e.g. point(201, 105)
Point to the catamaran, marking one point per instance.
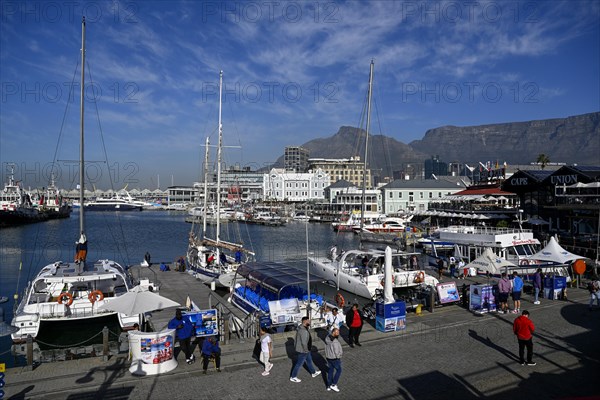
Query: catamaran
point(73, 291)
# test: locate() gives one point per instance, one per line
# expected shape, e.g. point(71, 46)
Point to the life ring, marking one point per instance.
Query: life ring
point(68, 296)
point(393, 281)
point(339, 300)
point(420, 277)
point(95, 296)
point(524, 262)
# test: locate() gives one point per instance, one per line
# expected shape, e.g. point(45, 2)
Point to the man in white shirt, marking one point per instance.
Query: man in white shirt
point(334, 320)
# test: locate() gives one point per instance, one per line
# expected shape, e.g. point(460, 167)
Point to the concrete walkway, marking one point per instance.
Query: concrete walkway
point(448, 354)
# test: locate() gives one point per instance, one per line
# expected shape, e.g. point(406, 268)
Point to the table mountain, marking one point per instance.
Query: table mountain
point(573, 139)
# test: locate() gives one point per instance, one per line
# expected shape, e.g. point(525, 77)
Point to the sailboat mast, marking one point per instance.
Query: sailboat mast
point(220, 144)
point(204, 210)
point(364, 186)
point(81, 153)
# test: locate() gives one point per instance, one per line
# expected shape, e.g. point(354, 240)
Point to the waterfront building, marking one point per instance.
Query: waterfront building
point(405, 196)
point(295, 159)
point(349, 169)
point(281, 185)
point(238, 184)
point(564, 202)
point(181, 195)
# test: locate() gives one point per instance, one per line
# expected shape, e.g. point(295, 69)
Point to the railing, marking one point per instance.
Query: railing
point(229, 323)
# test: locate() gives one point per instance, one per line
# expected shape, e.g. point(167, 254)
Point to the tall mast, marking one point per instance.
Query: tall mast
point(205, 211)
point(362, 208)
point(220, 144)
point(81, 153)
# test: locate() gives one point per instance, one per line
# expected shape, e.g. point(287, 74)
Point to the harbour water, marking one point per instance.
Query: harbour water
point(125, 237)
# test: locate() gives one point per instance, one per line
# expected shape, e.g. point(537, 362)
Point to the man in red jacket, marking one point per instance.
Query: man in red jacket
point(523, 328)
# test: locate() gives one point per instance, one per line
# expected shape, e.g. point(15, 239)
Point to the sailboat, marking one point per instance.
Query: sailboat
point(213, 259)
point(72, 291)
point(361, 271)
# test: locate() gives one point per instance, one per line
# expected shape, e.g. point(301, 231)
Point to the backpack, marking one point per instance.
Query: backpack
point(592, 286)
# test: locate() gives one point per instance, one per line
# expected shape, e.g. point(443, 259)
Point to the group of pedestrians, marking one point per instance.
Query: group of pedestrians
point(303, 346)
point(514, 288)
point(184, 330)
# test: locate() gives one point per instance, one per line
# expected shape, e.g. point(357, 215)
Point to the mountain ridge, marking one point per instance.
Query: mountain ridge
point(573, 139)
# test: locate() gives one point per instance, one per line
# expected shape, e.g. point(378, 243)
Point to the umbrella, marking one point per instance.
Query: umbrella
point(137, 301)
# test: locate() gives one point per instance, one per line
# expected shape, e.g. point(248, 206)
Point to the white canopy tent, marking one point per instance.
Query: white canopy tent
point(553, 252)
point(490, 262)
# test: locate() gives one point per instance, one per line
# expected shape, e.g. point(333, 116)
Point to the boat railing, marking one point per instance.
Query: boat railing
point(484, 230)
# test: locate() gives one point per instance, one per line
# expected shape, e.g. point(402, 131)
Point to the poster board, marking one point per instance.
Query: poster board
point(390, 317)
point(481, 298)
point(152, 352)
point(447, 292)
point(285, 311)
point(206, 322)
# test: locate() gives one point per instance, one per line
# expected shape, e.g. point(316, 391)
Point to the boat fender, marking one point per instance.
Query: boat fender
point(420, 277)
point(524, 262)
point(66, 298)
point(95, 296)
point(339, 300)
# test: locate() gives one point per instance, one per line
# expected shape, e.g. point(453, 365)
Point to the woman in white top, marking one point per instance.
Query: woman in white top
point(266, 350)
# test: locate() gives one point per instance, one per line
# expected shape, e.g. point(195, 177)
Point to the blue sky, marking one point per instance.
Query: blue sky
point(293, 71)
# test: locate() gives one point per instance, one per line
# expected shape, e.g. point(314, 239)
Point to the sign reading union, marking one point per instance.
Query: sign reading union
point(563, 179)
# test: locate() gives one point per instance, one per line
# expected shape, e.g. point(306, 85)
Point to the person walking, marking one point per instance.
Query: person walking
point(594, 289)
point(147, 259)
point(303, 346)
point(183, 331)
point(333, 319)
point(523, 328)
point(517, 287)
point(537, 285)
point(333, 354)
point(266, 350)
point(210, 348)
point(354, 321)
point(504, 287)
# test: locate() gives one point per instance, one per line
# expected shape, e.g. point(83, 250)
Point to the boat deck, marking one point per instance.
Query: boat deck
point(177, 286)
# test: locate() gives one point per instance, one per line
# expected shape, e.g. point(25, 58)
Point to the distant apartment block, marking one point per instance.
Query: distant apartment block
point(348, 169)
point(294, 186)
point(238, 184)
point(295, 159)
point(435, 166)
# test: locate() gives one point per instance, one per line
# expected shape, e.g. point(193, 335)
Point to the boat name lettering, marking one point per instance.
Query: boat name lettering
point(519, 181)
point(563, 179)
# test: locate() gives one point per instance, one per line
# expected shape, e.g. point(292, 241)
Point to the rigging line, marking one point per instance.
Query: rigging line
point(64, 118)
point(109, 175)
point(235, 128)
point(383, 141)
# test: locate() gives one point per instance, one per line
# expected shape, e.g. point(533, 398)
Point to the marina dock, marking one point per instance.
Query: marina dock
point(177, 286)
point(470, 355)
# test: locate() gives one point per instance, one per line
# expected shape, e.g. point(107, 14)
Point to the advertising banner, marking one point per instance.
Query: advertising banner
point(205, 322)
point(390, 317)
point(152, 352)
point(383, 324)
point(447, 292)
point(285, 311)
point(482, 299)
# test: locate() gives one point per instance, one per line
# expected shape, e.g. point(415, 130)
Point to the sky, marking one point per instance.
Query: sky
point(293, 72)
